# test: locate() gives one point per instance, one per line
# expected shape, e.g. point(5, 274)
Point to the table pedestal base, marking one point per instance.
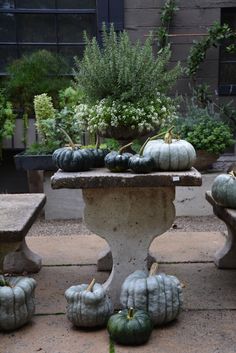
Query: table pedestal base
point(128, 219)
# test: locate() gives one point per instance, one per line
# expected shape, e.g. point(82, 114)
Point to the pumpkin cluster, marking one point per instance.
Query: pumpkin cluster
point(148, 300)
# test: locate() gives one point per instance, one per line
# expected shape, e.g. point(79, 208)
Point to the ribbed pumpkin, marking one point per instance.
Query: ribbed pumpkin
point(88, 305)
point(224, 189)
point(130, 327)
point(118, 161)
point(170, 154)
point(99, 155)
point(158, 294)
point(16, 302)
point(72, 158)
point(140, 163)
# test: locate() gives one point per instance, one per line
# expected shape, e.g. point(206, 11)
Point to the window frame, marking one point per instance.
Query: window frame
point(226, 89)
point(106, 11)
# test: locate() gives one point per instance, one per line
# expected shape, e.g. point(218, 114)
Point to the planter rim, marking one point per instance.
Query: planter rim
point(34, 162)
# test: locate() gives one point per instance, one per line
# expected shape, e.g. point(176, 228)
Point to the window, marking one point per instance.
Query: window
point(227, 69)
point(55, 25)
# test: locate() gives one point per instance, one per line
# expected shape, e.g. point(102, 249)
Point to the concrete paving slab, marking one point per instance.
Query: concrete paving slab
point(194, 332)
point(206, 286)
point(169, 247)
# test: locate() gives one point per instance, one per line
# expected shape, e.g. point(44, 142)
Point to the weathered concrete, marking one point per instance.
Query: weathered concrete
point(103, 178)
point(17, 214)
point(84, 250)
point(225, 257)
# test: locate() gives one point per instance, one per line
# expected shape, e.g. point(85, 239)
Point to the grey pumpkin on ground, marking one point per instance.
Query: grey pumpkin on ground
point(224, 189)
point(16, 302)
point(157, 293)
point(118, 162)
point(88, 305)
point(170, 154)
point(130, 327)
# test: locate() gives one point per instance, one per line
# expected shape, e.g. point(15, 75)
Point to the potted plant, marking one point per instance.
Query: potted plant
point(49, 125)
point(125, 86)
point(7, 119)
point(204, 129)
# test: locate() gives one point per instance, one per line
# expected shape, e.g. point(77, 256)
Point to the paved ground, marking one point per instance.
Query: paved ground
point(207, 324)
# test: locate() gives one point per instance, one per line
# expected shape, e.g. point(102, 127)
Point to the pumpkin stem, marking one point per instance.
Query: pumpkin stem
point(143, 146)
point(3, 282)
point(156, 136)
point(153, 269)
point(71, 143)
point(232, 173)
point(90, 286)
point(123, 148)
point(169, 135)
point(130, 313)
point(97, 142)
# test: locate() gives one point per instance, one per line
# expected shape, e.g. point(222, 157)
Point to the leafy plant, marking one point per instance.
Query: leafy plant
point(167, 14)
point(7, 119)
point(122, 70)
point(216, 34)
point(50, 122)
point(204, 131)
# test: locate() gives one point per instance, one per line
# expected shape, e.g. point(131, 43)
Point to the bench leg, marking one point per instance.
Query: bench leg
point(226, 257)
point(5, 249)
point(22, 260)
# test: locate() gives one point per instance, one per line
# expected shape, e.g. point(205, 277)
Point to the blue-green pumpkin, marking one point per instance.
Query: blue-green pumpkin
point(224, 190)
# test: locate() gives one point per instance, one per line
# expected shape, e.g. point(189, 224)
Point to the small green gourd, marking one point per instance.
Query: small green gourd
point(118, 162)
point(130, 327)
point(140, 163)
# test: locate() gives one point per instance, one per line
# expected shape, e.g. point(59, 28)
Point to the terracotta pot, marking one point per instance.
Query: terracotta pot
point(205, 160)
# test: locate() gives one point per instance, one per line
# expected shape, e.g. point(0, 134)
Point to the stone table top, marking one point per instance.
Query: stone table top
point(17, 214)
point(103, 178)
point(227, 214)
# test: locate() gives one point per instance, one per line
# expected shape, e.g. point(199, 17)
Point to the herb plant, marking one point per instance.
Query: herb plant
point(7, 119)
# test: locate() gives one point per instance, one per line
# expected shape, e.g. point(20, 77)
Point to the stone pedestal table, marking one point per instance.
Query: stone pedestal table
point(128, 211)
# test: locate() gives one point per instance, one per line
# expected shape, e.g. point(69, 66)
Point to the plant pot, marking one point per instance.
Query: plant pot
point(205, 160)
point(123, 133)
point(34, 162)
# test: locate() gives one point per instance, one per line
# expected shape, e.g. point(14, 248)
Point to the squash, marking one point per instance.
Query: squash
point(88, 306)
point(140, 163)
point(72, 158)
point(130, 327)
point(16, 302)
point(170, 154)
point(224, 190)
point(99, 155)
point(159, 294)
point(118, 161)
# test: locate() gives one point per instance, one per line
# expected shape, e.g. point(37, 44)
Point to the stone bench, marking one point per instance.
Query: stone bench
point(225, 257)
point(17, 214)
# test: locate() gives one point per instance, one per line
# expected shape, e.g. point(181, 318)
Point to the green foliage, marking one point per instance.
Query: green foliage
point(39, 72)
point(216, 34)
point(167, 14)
point(7, 118)
point(203, 130)
point(122, 70)
point(49, 122)
point(70, 97)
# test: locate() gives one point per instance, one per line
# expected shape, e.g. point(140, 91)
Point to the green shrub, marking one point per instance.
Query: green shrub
point(7, 119)
point(204, 130)
point(122, 70)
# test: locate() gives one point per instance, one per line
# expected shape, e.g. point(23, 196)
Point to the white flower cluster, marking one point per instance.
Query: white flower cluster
point(142, 115)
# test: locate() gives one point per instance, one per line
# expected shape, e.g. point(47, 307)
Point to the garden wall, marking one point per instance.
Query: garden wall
point(193, 17)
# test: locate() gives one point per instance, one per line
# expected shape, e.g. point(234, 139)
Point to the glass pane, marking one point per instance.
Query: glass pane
point(6, 4)
point(228, 74)
point(36, 28)
point(71, 27)
point(76, 4)
point(229, 17)
point(69, 52)
point(7, 27)
point(8, 53)
point(36, 4)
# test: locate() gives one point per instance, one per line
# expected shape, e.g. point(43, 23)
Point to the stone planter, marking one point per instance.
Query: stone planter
point(34, 162)
point(205, 160)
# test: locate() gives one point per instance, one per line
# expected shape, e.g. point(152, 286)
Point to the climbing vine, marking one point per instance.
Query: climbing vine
point(216, 35)
point(167, 14)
